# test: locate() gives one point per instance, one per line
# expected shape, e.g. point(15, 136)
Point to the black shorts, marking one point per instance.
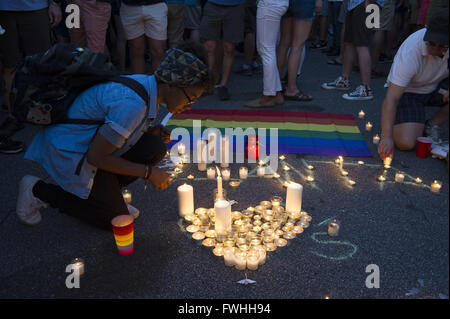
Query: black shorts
point(356, 32)
point(411, 107)
point(250, 19)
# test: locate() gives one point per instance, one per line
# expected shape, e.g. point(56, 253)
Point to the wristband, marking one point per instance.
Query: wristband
point(148, 171)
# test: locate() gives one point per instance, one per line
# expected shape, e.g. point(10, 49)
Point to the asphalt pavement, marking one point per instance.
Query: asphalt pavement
point(403, 229)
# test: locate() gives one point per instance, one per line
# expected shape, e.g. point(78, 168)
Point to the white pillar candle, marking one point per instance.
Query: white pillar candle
point(369, 126)
point(226, 174)
point(201, 155)
point(260, 171)
point(211, 172)
point(222, 209)
point(240, 260)
point(228, 256)
point(224, 151)
point(243, 172)
point(436, 187)
point(185, 199)
point(376, 139)
point(181, 148)
point(399, 177)
point(361, 114)
point(294, 197)
point(341, 162)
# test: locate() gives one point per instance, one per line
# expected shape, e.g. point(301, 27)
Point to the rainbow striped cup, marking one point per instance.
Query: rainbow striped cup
point(123, 228)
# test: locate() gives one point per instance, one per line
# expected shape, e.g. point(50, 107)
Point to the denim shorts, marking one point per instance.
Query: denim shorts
point(301, 9)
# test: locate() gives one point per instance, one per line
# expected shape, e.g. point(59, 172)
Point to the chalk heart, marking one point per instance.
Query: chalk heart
point(250, 234)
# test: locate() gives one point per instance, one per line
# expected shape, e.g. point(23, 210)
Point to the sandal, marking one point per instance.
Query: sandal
point(300, 96)
point(257, 104)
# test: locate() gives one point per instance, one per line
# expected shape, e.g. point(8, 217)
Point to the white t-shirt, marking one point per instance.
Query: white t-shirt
point(415, 69)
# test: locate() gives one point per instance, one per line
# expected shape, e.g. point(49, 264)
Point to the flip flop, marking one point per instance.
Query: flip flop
point(300, 96)
point(257, 104)
point(334, 62)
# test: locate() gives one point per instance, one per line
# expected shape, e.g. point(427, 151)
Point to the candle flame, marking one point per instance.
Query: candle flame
point(218, 171)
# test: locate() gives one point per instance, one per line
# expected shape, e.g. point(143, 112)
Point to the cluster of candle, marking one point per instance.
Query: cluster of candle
point(340, 162)
point(251, 233)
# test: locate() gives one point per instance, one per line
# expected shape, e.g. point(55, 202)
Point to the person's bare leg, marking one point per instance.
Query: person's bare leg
point(375, 50)
point(8, 77)
point(137, 54)
point(157, 49)
point(301, 29)
point(284, 44)
point(364, 64)
point(349, 58)
point(210, 47)
point(228, 60)
point(340, 58)
point(323, 28)
point(405, 135)
point(441, 117)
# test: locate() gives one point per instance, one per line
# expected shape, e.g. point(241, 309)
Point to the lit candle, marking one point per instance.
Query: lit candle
point(219, 184)
point(193, 228)
point(226, 174)
point(224, 151)
point(126, 196)
point(78, 265)
point(201, 155)
point(280, 242)
point(211, 172)
point(240, 260)
point(190, 177)
point(352, 182)
point(198, 235)
point(262, 254)
point(361, 162)
point(243, 172)
point(369, 126)
point(260, 171)
point(341, 162)
point(333, 228)
point(387, 162)
point(436, 187)
point(361, 114)
point(218, 250)
point(282, 157)
point(181, 148)
point(223, 217)
point(276, 201)
point(310, 179)
point(381, 178)
point(376, 139)
point(252, 260)
point(310, 167)
point(286, 168)
point(344, 173)
point(418, 180)
point(185, 199)
point(235, 183)
point(276, 175)
point(294, 198)
point(399, 177)
point(228, 256)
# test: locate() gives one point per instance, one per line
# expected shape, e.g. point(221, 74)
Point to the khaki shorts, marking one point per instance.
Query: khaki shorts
point(387, 15)
point(150, 20)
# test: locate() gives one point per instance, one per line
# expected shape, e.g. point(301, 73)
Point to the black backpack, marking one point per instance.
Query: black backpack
point(46, 84)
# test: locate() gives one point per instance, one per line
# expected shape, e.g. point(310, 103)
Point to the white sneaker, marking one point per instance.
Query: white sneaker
point(133, 211)
point(27, 208)
point(361, 93)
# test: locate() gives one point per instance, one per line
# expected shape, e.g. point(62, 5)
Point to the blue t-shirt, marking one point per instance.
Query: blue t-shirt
point(191, 3)
point(23, 5)
point(175, 1)
point(227, 2)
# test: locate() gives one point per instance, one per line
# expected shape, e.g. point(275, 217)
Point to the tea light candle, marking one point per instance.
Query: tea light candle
point(185, 199)
point(190, 177)
point(282, 157)
point(126, 196)
point(436, 187)
point(211, 233)
point(286, 168)
point(223, 217)
point(198, 235)
point(260, 171)
point(189, 217)
point(218, 250)
point(376, 139)
point(297, 229)
point(387, 162)
point(211, 172)
point(235, 184)
point(310, 179)
point(361, 162)
point(399, 177)
point(369, 126)
point(226, 174)
point(243, 172)
point(280, 242)
point(78, 264)
point(236, 215)
point(192, 228)
point(276, 201)
point(294, 198)
point(344, 173)
point(228, 256)
point(270, 246)
point(181, 148)
point(381, 178)
point(276, 175)
point(351, 182)
point(310, 167)
point(266, 204)
point(361, 114)
point(209, 242)
point(333, 228)
point(418, 180)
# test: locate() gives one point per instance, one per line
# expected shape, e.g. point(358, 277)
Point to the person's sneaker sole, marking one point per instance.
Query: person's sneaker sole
point(26, 190)
point(324, 86)
point(361, 98)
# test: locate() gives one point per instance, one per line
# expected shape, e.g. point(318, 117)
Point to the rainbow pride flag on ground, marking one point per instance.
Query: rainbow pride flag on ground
point(298, 132)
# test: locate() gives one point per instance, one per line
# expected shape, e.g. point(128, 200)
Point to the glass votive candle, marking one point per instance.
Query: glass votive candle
point(257, 223)
point(361, 114)
point(252, 260)
point(236, 215)
point(256, 229)
point(376, 139)
point(266, 204)
point(247, 213)
point(369, 127)
point(262, 254)
point(211, 172)
point(126, 196)
point(226, 174)
point(276, 201)
point(290, 235)
point(265, 226)
point(243, 172)
point(228, 256)
point(280, 242)
point(399, 176)
point(436, 186)
point(211, 233)
point(229, 243)
point(294, 215)
point(297, 229)
point(209, 242)
point(270, 246)
point(189, 217)
point(193, 228)
point(260, 171)
point(278, 209)
point(259, 209)
point(240, 260)
point(333, 228)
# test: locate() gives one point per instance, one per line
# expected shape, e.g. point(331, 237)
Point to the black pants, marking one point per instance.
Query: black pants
point(105, 200)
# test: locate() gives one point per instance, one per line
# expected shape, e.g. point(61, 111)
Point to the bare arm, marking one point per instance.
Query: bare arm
point(388, 112)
